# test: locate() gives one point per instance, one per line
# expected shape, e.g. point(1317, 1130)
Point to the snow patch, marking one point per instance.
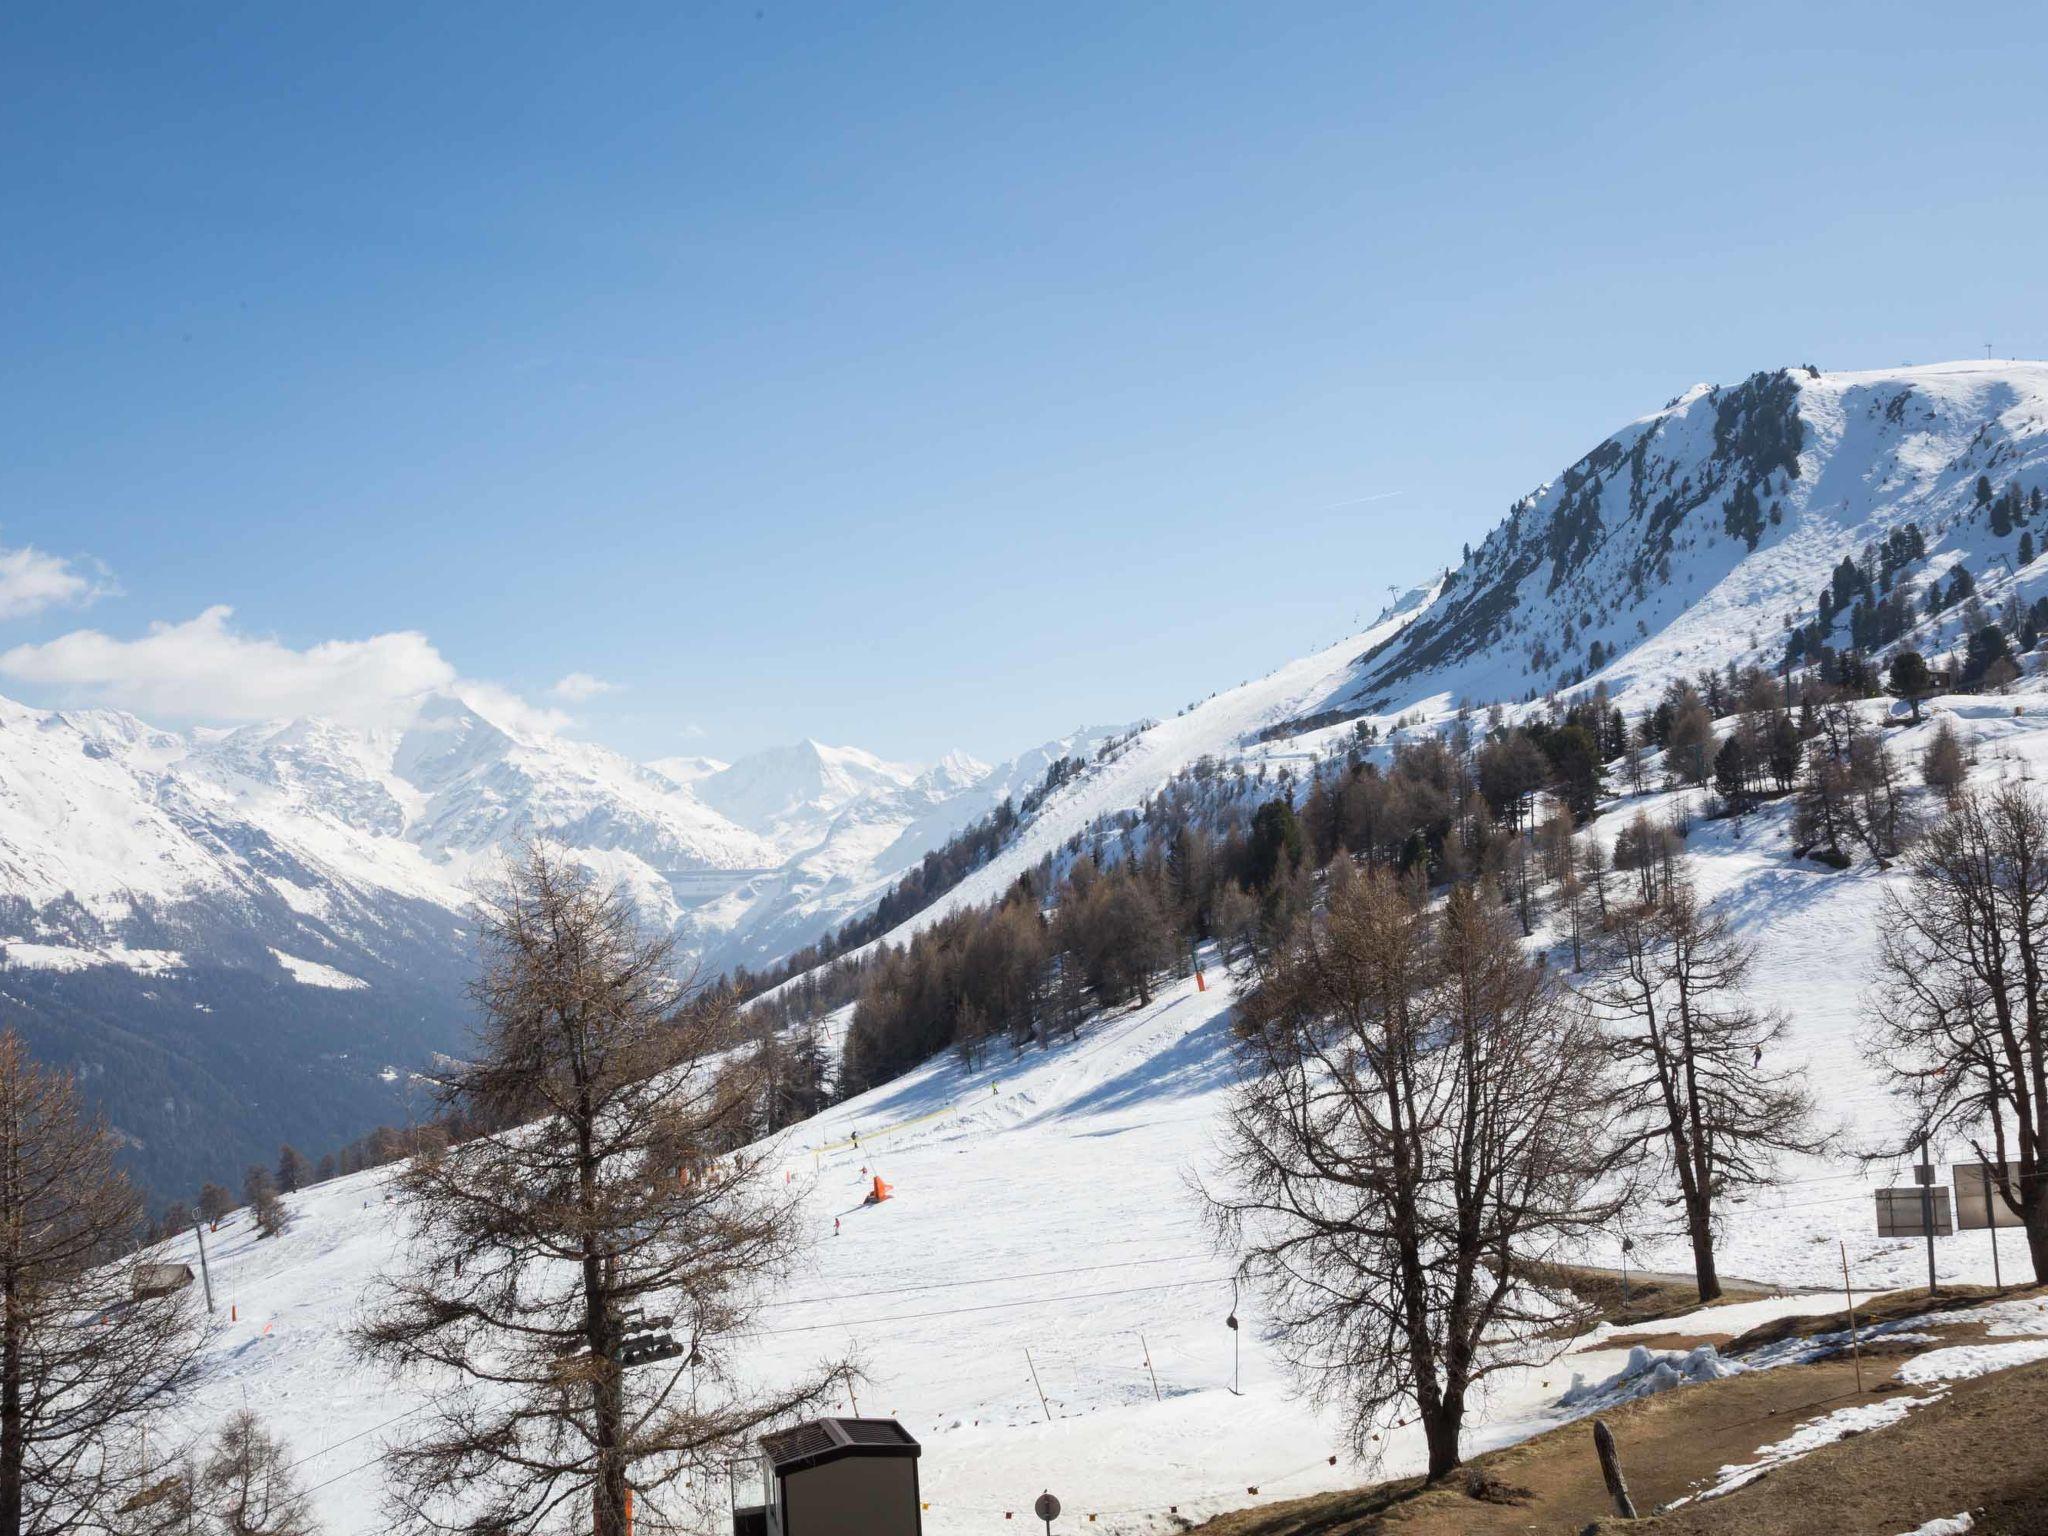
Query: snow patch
point(1960, 1362)
point(1947, 1525)
point(27, 955)
point(311, 973)
point(1808, 1438)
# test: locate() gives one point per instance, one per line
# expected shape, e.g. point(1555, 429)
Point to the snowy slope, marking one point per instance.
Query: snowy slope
point(1053, 1189)
point(1054, 1185)
point(1690, 538)
point(1641, 549)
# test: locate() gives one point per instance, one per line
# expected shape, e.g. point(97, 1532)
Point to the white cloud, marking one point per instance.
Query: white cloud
point(203, 669)
point(579, 686)
point(31, 580)
point(507, 710)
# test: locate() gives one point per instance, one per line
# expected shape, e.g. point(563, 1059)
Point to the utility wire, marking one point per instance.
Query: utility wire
point(1032, 1274)
point(998, 1306)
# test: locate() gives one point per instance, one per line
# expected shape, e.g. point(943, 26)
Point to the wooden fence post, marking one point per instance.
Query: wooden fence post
point(1610, 1469)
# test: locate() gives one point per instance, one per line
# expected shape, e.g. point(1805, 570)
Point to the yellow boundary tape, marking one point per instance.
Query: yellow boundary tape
point(888, 1130)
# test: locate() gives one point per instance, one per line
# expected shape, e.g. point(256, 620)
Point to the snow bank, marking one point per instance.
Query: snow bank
point(1647, 1372)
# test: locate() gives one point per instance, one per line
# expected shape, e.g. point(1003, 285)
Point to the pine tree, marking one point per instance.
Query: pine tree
point(1987, 646)
point(1942, 765)
point(1910, 680)
point(1277, 843)
point(259, 1193)
point(1690, 751)
point(1423, 1128)
point(533, 1249)
point(1962, 1020)
point(294, 1172)
point(1731, 775)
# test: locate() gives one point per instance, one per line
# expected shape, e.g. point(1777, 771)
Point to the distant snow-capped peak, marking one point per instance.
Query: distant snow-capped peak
point(803, 784)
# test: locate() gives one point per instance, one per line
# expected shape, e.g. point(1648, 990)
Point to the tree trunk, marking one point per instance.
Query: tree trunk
point(2037, 1240)
point(1702, 1231)
point(11, 1450)
point(1440, 1429)
point(610, 1493)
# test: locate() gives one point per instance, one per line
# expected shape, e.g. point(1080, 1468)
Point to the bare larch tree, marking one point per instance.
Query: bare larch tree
point(1962, 998)
point(535, 1251)
point(1419, 1130)
point(247, 1487)
point(1699, 1088)
point(83, 1360)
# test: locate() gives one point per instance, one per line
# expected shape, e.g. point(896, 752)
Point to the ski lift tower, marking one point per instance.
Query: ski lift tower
point(830, 1477)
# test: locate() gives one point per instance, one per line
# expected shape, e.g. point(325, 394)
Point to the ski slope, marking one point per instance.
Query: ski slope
point(1043, 1202)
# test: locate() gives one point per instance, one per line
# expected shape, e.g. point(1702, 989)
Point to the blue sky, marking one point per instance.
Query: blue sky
point(910, 376)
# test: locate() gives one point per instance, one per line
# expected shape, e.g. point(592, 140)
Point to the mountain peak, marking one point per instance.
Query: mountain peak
point(802, 783)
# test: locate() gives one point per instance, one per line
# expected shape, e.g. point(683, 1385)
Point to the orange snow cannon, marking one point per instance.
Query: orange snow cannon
point(878, 1194)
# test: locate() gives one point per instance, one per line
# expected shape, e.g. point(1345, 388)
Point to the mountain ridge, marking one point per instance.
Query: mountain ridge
point(1736, 524)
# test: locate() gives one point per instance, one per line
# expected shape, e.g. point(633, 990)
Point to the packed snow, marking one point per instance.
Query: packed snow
point(1647, 1371)
point(1038, 1203)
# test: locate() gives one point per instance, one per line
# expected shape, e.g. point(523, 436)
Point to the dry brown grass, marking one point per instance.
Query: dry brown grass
point(1983, 1447)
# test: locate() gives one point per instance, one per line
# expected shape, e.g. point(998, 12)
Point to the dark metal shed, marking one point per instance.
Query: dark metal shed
point(831, 1477)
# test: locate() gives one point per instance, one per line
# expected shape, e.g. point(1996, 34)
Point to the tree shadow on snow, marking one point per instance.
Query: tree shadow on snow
point(1201, 1061)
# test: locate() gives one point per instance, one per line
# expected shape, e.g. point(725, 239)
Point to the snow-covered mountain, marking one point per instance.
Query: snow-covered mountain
point(189, 888)
point(1700, 535)
point(790, 794)
point(222, 869)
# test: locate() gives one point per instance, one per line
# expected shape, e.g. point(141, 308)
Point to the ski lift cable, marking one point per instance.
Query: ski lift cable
point(1035, 1274)
point(901, 1317)
point(998, 1306)
point(807, 1301)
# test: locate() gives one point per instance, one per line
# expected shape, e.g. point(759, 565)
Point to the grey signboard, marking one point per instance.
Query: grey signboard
point(1978, 1201)
point(1901, 1212)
